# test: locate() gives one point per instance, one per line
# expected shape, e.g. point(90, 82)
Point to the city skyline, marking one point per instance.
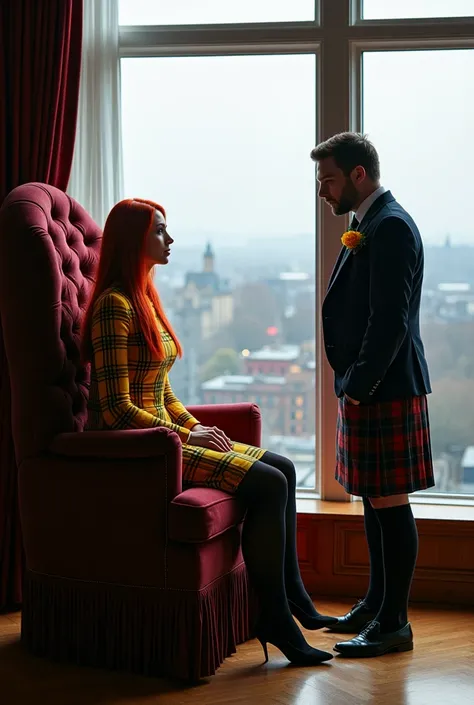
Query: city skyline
point(215, 368)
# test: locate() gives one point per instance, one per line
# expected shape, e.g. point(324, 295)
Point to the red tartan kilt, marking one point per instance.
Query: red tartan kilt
point(384, 448)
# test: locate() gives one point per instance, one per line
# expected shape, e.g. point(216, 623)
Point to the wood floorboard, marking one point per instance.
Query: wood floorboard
point(440, 671)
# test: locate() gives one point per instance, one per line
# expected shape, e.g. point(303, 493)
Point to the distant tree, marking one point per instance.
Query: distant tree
point(300, 328)
point(449, 349)
point(249, 331)
point(223, 338)
point(259, 300)
point(451, 410)
point(224, 362)
point(256, 310)
point(245, 332)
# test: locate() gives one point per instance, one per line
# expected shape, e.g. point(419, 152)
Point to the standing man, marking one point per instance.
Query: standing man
point(372, 341)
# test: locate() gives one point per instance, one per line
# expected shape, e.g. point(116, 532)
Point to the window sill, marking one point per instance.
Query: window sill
point(421, 510)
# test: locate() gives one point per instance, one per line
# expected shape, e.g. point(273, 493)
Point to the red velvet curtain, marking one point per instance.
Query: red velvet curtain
point(40, 61)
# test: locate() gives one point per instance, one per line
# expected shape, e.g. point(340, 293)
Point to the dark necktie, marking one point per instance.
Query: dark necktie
point(354, 223)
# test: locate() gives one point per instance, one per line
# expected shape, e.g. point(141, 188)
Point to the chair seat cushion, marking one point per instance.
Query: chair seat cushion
point(199, 514)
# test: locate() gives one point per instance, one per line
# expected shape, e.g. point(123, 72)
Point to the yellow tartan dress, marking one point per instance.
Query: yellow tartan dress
point(130, 389)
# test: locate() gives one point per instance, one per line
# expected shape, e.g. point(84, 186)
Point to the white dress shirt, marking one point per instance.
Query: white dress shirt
point(365, 205)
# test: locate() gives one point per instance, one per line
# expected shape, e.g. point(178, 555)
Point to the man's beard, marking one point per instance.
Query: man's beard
point(348, 200)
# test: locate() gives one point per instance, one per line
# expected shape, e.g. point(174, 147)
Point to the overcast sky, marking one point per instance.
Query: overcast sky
point(215, 11)
point(224, 142)
point(395, 9)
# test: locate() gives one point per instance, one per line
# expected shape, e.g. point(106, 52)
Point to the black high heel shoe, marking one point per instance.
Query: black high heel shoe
point(309, 621)
point(305, 656)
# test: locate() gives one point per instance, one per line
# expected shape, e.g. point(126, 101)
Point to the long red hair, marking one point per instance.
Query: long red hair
point(122, 264)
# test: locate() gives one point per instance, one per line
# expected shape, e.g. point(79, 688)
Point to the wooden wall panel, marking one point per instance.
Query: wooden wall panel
point(334, 559)
point(350, 548)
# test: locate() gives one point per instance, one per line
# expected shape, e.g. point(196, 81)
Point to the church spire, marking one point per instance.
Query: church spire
point(208, 258)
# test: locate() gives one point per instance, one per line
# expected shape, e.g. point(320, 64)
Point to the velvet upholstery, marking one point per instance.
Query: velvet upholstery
point(124, 569)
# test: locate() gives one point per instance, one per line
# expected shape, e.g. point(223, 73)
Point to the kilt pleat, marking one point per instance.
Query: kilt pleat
point(384, 448)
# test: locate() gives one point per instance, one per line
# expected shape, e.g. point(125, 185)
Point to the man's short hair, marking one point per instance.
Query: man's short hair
point(349, 150)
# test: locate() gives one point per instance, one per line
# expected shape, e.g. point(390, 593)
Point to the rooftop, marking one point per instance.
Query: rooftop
point(295, 443)
point(282, 353)
point(455, 286)
point(236, 383)
point(294, 276)
point(203, 280)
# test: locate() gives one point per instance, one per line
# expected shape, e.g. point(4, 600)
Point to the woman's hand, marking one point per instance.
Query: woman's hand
point(209, 437)
point(200, 427)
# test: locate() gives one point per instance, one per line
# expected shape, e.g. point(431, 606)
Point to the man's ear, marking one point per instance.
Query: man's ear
point(358, 175)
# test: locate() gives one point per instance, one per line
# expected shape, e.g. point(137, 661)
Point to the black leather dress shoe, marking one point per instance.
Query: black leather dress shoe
point(354, 621)
point(371, 642)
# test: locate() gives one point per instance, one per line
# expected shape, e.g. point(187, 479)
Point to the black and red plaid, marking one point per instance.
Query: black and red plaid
point(384, 448)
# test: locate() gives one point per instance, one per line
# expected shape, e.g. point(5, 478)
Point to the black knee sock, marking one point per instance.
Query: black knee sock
point(400, 550)
point(264, 492)
point(295, 589)
point(373, 532)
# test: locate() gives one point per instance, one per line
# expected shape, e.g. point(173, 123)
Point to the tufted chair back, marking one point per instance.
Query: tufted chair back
point(49, 249)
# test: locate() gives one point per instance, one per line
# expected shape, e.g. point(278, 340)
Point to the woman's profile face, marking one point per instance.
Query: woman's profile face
point(158, 241)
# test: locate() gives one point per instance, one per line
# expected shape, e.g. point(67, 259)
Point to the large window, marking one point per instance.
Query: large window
point(168, 12)
point(222, 142)
point(219, 117)
point(420, 116)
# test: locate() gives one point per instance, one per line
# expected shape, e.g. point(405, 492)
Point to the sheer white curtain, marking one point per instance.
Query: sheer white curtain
point(97, 173)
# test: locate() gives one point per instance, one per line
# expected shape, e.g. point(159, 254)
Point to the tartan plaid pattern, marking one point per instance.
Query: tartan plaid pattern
point(221, 471)
point(384, 448)
point(130, 389)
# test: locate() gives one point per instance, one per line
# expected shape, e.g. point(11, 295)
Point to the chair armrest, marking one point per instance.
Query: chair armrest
point(201, 513)
point(134, 443)
point(96, 507)
point(241, 422)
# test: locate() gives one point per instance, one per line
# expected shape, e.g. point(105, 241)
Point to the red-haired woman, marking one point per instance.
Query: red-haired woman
point(132, 346)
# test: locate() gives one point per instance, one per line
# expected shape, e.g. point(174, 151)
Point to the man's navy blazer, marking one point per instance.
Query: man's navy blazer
point(371, 311)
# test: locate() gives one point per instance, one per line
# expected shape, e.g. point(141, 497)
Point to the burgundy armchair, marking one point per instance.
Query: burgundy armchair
point(123, 569)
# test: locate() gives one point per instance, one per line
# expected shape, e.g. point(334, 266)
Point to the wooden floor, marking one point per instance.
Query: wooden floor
point(440, 671)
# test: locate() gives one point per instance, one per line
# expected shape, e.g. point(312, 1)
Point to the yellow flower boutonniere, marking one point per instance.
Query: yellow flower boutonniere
point(353, 240)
